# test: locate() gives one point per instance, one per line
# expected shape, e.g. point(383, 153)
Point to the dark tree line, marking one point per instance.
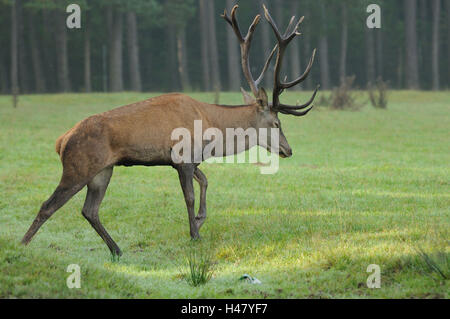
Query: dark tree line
point(170, 45)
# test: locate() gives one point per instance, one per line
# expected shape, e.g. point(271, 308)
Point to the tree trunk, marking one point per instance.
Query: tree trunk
point(400, 72)
point(307, 41)
point(266, 47)
point(87, 60)
point(412, 63)
point(14, 54)
point(234, 78)
point(106, 49)
point(344, 42)
point(104, 68)
point(213, 45)
point(205, 45)
point(133, 52)
point(39, 78)
point(48, 52)
point(370, 56)
point(4, 85)
point(23, 65)
point(323, 52)
point(448, 43)
point(423, 37)
point(182, 60)
point(436, 5)
point(379, 48)
point(172, 58)
point(295, 56)
point(279, 14)
point(324, 67)
point(116, 53)
point(61, 52)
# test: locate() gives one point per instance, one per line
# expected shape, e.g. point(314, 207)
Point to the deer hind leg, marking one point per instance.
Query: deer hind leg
point(63, 193)
point(186, 175)
point(95, 194)
point(203, 182)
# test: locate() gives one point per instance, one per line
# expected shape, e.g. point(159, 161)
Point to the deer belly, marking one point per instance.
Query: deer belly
point(149, 156)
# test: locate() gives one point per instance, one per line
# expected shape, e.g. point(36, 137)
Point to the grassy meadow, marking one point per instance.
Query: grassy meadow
point(366, 187)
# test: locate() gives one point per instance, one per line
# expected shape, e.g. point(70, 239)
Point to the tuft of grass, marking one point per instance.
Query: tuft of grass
point(433, 260)
point(378, 94)
point(201, 267)
point(344, 97)
point(437, 263)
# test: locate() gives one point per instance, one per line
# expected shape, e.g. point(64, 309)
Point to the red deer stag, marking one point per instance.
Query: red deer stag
point(140, 134)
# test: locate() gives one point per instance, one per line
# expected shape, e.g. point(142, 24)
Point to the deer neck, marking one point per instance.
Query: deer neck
point(223, 117)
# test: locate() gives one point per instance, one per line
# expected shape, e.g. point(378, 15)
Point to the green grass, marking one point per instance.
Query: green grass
point(368, 187)
point(200, 264)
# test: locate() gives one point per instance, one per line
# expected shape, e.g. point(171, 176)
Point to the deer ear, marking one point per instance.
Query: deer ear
point(248, 99)
point(262, 99)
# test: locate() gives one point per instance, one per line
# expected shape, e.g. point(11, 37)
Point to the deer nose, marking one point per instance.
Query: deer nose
point(289, 152)
point(285, 152)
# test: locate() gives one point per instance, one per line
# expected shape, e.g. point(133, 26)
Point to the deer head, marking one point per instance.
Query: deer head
point(267, 116)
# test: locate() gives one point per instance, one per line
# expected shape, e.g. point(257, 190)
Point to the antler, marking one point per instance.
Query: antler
point(279, 86)
point(245, 44)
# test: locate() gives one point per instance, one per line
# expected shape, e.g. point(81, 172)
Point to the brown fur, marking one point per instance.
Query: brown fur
point(141, 132)
point(138, 134)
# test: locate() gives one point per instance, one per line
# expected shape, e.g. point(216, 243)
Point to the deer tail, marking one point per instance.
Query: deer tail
point(58, 144)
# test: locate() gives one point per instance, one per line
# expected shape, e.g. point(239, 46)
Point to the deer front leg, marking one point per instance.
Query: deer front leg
point(186, 175)
point(203, 182)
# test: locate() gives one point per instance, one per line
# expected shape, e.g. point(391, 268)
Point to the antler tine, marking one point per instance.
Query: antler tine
point(303, 76)
point(245, 44)
point(273, 24)
point(294, 31)
point(279, 86)
point(303, 106)
point(291, 23)
point(296, 113)
point(252, 28)
point(287, 36)
point(225, 16)
point(233, 22)
point(266, 66)
point(235, 25)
